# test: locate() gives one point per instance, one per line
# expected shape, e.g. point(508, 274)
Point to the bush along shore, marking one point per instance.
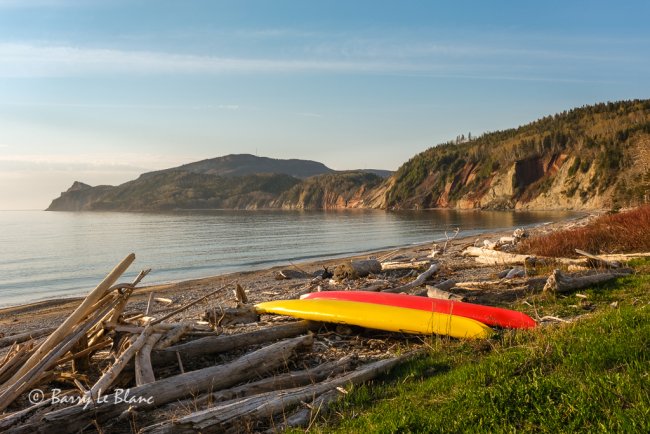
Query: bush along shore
point(201, 356)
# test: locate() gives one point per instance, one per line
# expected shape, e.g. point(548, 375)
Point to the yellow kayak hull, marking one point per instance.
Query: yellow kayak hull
point(377, 316)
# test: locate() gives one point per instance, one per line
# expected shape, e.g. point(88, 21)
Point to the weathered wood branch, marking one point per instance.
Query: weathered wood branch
point(275, 383)
point(303, 417)
point(495, 257)
point(72, 419)
point(22, 337)
point(14, 359)
point(238, 412)
point(435, 292)
point(411, 265)
point(71, 321)
point(562, 283)
point(104, 383)
point(418, 280)
point(128, 290)
point(223, 343)
point(14, 387)
point(188, 305)
point(356, 269)
point(624, 256)
point(173, 336)
point(242, 314)
point(598, 260)
point(143, 370)
point(240, 294)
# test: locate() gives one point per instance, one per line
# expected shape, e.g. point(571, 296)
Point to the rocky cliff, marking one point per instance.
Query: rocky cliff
point(587, 158)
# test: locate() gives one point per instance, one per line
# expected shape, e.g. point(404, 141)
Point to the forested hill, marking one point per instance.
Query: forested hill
point(590, 157)
point(593, 157)
point(229, 182)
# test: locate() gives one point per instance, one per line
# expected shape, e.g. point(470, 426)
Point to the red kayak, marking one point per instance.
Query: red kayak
point(492, 316)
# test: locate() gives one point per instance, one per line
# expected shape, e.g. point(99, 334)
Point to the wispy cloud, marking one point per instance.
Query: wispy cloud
point(192, 107)
point(372, 56)
point(25, 60)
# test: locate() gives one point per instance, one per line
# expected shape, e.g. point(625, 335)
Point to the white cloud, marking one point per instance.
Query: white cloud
point(28, 60)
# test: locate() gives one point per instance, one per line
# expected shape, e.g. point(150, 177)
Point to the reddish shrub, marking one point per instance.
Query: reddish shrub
point(627, 231)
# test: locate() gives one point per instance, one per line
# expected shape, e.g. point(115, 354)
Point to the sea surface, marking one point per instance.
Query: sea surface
point(47, 255)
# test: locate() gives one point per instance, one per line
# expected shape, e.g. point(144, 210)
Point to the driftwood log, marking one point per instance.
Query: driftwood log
point(104, 383)
point(173, 336)
point(496, 257)
point(418, 280)
point(242, 314)
point(14, 359)
point(22, 337)
point(143, 369)
point(598, 261)
point(236, 413)
point(411, 265)
point(75, 418)
point(303, 417)
point(223, 343)
point(562, 283)
point(277, 382)
point(356, 269)
point(436, 292)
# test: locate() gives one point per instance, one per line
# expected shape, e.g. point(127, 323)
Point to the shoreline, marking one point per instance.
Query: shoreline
point(260, 284)
point(52, 300)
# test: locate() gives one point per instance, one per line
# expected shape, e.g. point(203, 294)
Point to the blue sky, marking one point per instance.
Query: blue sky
point(100, 91)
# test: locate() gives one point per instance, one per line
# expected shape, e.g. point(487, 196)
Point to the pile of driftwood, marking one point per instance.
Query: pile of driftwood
point(103, 368)
point(515, 277)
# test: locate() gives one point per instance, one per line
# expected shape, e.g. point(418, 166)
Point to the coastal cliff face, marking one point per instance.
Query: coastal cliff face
point(79, 197)
point(592, 157)
point(588, 158)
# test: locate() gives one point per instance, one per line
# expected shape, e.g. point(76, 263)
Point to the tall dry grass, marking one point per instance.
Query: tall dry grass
point(625, 232)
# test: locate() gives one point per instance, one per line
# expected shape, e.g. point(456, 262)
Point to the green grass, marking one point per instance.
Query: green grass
point(592, 375)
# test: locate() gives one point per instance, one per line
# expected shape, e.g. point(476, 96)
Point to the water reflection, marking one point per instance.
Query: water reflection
point(48, 254)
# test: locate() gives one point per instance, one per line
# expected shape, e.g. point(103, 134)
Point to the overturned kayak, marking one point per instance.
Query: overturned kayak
point(492, 316)
point(378, 316)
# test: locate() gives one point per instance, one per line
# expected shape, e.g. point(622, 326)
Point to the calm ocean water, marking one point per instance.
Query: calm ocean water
point(48, 255)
